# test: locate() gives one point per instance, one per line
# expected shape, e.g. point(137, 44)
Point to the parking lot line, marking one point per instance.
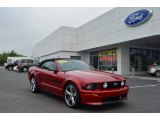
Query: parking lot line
point(145, 86)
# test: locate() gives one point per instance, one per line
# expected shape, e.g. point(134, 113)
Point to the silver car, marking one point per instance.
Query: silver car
point(154, 69)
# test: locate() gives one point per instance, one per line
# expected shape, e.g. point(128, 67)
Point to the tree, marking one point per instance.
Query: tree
point(5, 55)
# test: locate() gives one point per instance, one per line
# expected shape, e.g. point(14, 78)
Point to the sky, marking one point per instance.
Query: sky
point(21, 28)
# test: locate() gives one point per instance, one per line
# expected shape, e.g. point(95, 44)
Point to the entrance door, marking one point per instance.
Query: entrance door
point(94, 61)
point(138, 63)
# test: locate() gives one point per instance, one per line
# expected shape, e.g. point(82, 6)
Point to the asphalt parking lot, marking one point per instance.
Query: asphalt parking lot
point(15, 96)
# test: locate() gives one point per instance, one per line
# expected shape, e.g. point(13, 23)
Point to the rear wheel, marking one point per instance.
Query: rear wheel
point(157, 73)
point(71, 96)
point(33, 85)
point(10, 68)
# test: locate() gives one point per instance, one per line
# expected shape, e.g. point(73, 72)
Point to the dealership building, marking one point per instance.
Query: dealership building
point(122, 39)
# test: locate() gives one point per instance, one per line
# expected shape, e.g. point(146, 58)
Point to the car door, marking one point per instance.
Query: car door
point(49, 77)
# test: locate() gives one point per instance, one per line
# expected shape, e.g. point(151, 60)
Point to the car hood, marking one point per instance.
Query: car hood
point(94, 76)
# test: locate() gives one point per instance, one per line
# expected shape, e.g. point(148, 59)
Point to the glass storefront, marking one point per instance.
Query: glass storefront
point(104, 60)
point(141, 58)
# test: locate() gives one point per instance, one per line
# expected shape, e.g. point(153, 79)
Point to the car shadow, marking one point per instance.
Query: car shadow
point(102, 108)
point(52, 96)
point(88, 108)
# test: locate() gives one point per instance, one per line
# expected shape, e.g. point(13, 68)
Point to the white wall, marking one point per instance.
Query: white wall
point(60, 40)
point(13, 59)
point(123, 61)
point(106, 29)
point(109, 28)
point(63, 54)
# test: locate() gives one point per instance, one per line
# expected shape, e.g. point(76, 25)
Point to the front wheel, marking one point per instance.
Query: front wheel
point(71, 96)
point(33, 85)
point(10, 68)
point(158, 74)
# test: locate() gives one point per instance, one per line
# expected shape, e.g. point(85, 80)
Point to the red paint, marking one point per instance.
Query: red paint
point(54, 82)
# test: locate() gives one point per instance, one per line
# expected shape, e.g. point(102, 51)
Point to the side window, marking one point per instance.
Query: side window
point(29, 61)
point(50, 65)
point(35, 62)
point(44, 65)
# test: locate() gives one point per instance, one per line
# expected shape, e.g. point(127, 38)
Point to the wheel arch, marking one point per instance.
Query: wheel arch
point(24, 66)
point(33, 74)
point(70, 81)
point(9, 66)
point(157, 71)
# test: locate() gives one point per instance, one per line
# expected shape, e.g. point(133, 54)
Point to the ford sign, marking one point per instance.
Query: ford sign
point(138, 17)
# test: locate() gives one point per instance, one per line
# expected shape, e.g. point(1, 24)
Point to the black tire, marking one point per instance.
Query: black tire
point(24, 69)
point(153, 75)
point(71, 96)
point(157, 73)
point(33, 85)
point(10, 68)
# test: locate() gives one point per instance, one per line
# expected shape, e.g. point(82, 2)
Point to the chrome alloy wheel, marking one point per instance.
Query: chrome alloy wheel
point(70, 95)
point(33, 85)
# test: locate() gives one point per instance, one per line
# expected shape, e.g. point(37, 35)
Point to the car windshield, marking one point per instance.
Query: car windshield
point(69, 65)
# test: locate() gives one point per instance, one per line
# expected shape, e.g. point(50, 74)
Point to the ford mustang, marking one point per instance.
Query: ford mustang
point(77, 82)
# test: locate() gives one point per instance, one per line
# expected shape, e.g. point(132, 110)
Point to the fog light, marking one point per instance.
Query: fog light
point(122, 83)
point(105, 85)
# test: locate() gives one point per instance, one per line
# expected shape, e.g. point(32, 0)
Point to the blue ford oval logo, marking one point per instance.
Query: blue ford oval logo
point(138, 17)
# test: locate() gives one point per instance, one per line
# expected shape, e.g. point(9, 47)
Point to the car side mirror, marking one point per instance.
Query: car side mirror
point(54, 70)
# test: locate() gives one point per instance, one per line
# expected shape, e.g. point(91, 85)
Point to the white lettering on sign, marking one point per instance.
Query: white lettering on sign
point(135, 17)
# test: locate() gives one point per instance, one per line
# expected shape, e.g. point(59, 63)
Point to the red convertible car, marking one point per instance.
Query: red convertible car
point(77, 82)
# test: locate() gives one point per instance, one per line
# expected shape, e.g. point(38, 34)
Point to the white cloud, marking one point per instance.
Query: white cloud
point(22, 28)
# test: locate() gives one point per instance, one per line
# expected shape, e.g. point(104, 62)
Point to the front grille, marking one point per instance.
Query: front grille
point(115, 99)
point(114, 84)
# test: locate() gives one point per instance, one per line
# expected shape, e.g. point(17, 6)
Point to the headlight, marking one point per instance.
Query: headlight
point(122, 83)
point(105, 85)
point(91, 86)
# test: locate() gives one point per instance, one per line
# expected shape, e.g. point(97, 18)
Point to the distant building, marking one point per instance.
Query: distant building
point(13, 59)
point(122, 38)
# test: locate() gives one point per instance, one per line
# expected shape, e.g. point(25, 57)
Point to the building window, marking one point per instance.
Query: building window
point(141, 58)
point(104, 60)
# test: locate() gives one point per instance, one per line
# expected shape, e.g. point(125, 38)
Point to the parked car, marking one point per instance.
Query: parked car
point(25, 64)
point(154, 69)
point(77, 82)
point(10, 66)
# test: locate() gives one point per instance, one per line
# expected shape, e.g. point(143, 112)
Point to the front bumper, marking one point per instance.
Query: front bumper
point(104, 96)
point(151, 70)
